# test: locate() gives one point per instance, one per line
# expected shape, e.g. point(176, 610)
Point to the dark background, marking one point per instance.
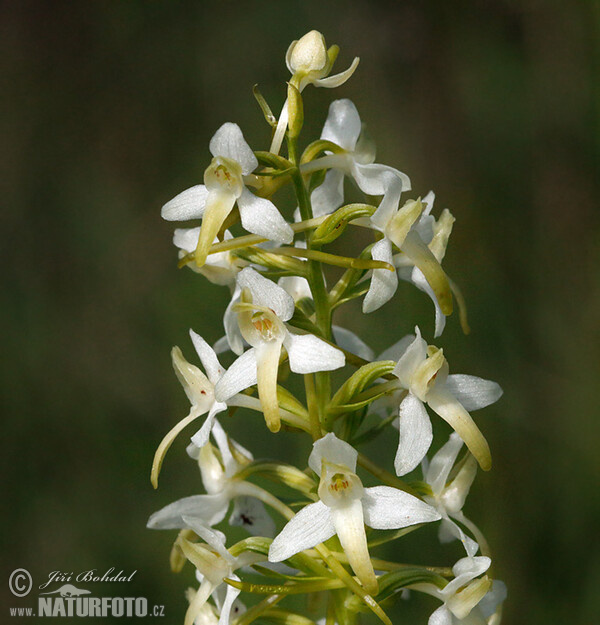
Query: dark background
point(107, 112)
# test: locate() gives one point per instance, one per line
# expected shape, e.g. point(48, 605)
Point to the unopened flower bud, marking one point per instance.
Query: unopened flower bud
point(308, 54)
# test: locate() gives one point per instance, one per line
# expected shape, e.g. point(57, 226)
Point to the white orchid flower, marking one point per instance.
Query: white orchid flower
point(200, 390)
point(423, 372)
point(448, 498)
point(401, 227)
point(219, 476)
point(262, 323)
point(223, 187)
point(468, 599)
point(214, 563)
point(343, 127)
point(310, 63)
point(344, 508)
point(434, 233)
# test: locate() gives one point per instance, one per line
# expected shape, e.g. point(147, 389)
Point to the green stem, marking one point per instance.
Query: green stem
point(316, 279)
point(385, 476)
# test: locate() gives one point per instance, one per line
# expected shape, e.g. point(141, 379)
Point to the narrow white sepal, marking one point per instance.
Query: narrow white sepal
point(473, 392)
point(189, 204)
point(308, 353)
point(342, 125)
point(334, 450)
point(210, 508)
point(383, 282)
point(351, 342)
point(239, 376)
point(229, 142)
point(309, 527)
point(388, 508)
point(266, 293)
point(416, 434)
point(260, 216)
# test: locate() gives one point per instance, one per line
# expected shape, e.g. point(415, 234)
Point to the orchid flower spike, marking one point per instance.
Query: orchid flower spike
point(468, 599)
point(344, 507)
point(262, 316)
point(223, 486)
point(215, 564)
point(423, 372)
point(355, 158)
point(310, 62)
point(448, 498)
point(223, 186)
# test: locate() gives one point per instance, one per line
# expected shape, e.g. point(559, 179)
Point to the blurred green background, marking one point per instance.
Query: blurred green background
point(107, 112)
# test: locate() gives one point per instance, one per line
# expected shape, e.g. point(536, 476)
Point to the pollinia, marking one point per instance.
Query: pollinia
point(321, 539)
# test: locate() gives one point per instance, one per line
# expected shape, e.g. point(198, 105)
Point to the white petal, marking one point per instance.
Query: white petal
point(186, 239)
point(307, 353)
point(266, 293)
point(493, 598)
point(388, 508)
point(331, 449)
point(391, 186)
point(189, 204)
point(383, 282)
point(375, 179)
point(342, 125)
point(200, 438)
point(442, 616)
point(450, 530)
point(260, 216)
point(331, 82)
point(238, 377)
point(233, 335)
point(210, 508)
point(351, 342)
point(230, 597)
point(229, 142)
point(465, 570)
point(418, 279)
point(442, 462)
point(473, 392)
point(416, 435)
point(229, 463)
point(429, 199)
point(213, 538)
point(397, 349)
point(250, 514)
point(309, 527)
point(207, 356)
point(329, 195)
point(412, 357)
point(296, 286)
